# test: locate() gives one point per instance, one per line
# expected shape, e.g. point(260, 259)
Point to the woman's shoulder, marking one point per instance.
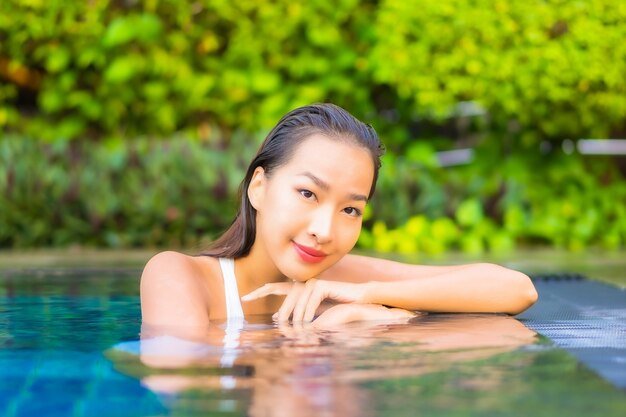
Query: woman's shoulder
point(184, 268)
point(178, 281)
point(164, 263)
point(171, 260)
point(169, 256)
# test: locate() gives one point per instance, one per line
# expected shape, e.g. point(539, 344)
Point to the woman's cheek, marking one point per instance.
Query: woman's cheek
point(349, 235)
point(285, 214)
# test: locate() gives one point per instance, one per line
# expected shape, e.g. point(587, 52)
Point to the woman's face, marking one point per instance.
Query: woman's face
point(309, 210)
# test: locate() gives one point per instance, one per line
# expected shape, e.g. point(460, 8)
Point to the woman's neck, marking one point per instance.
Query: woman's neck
point(255, 270)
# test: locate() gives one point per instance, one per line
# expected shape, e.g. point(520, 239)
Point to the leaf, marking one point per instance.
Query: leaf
point(58, 59)
point(51, 100)
point(148, 27)
point(416, 227)
point(422, 153)
point(120, 31)
point(123, 68)
point(264, 81)
point(469, 212)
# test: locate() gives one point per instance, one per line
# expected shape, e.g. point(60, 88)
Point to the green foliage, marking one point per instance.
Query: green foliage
point(178, 192)
point(181, 192)
point(87, 78)
point(566, 201)
point(555, 67)
point(109, 69)
point(100, 68)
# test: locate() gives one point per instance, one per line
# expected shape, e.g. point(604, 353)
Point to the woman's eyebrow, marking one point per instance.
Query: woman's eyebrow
point(325, 186)
point(319, 182)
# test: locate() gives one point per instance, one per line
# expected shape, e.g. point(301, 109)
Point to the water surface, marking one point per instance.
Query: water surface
point(71, 344)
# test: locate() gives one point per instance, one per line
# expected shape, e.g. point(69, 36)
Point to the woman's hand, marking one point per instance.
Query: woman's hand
point(303, 299)
point(348, 313)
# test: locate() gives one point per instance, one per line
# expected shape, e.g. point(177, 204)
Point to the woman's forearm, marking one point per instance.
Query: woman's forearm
point(477, 288)
point(357, 268)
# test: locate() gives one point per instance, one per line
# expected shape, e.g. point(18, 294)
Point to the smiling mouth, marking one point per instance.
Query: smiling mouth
point(309, 255)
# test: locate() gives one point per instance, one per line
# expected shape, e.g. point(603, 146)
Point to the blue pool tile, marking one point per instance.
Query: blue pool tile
point(50, 388)
point(35, 406)
point(10, 387)
point(16, 363)
point(6, 406)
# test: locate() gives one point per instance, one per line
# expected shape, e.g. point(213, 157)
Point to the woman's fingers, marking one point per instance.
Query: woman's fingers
point(303, 300)
point(275, 288)
point(316, 291)
point(316, 297)
point(347, 313)
point(288, 305)
point(336, 315)
point(400, 313)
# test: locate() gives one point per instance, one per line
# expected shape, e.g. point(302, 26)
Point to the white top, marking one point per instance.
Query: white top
point(231, 293)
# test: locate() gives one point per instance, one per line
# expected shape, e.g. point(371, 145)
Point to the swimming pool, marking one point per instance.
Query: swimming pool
point(70, 346)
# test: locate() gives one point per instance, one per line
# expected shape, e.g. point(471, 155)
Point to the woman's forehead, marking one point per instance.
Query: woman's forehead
point(335, 161)
point(329, 148)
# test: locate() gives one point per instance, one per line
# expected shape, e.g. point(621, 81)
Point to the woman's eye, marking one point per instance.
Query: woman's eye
point(352, 211)
point(307, 194)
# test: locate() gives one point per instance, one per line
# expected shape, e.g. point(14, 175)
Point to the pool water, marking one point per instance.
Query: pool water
point(71, 344)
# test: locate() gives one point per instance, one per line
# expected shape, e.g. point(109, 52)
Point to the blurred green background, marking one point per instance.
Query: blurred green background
point(130, 123)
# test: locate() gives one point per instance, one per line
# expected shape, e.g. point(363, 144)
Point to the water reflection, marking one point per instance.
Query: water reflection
point(259, 368)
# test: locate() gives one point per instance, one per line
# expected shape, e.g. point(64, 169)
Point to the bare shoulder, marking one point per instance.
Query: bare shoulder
point(172, 292)
point(168, 259)
point(173, 268)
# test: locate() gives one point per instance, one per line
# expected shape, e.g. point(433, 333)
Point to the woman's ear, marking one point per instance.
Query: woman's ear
point(256, 188)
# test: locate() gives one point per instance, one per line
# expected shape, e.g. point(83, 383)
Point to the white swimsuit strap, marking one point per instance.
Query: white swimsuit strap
point(233, 303)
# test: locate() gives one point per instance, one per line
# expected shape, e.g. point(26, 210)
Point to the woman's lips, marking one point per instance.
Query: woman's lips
point(309, 255)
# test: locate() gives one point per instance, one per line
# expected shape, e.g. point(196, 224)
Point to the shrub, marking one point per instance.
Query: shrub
point(91, 81)
point(102, 69)
point(178, 192)
point(541, 69)
point(181, 193)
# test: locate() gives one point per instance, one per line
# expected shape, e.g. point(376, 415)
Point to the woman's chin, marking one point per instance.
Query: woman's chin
point(301, 272)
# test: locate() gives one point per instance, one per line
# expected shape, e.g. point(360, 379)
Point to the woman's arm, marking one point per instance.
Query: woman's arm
point(468, 288)
point(357, 269)
point(476, 288)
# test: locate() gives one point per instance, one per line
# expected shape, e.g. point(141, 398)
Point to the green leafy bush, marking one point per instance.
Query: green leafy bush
point(124, 69)
point(542, 69)
point(567, 201)
point(91, 80)
point(178, 192)
point(181, 192)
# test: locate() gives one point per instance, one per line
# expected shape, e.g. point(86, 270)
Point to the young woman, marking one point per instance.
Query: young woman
point(301, 209)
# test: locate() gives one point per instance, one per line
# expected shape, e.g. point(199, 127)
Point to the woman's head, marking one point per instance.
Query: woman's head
point(314, 121)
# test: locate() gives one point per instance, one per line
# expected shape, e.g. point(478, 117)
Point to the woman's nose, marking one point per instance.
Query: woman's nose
point(321, 226)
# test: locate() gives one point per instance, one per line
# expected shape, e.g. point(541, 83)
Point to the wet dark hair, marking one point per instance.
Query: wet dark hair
point(325, 119)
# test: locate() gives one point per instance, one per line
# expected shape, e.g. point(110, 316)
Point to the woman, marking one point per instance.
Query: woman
point(302, 201)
